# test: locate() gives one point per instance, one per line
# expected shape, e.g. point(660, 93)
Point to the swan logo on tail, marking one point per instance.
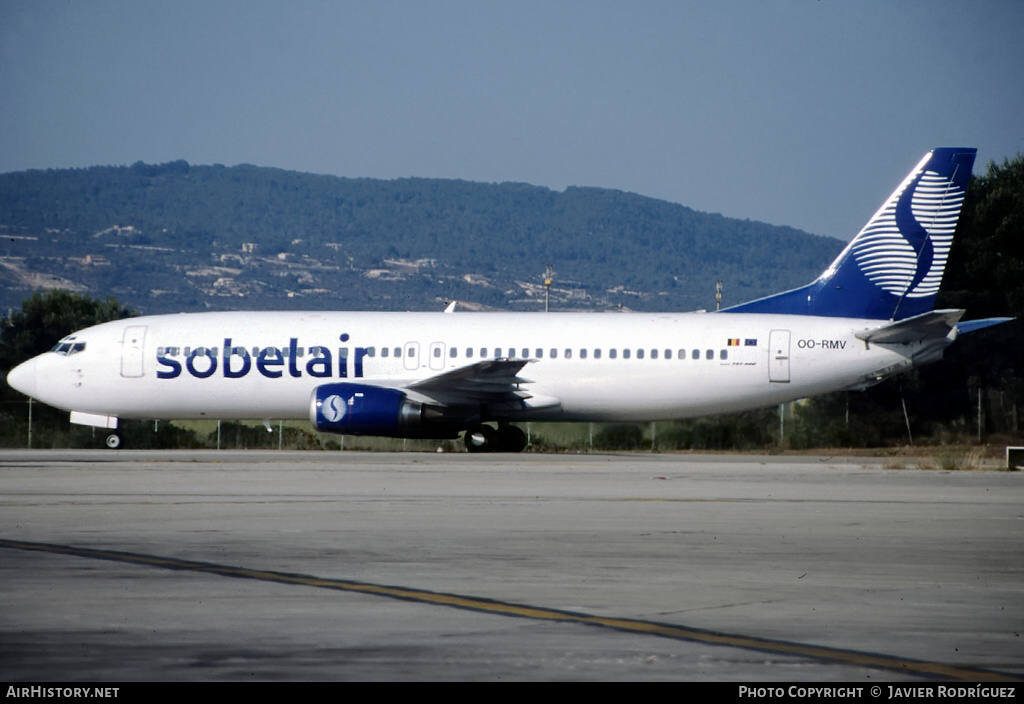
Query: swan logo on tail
point(903, 249)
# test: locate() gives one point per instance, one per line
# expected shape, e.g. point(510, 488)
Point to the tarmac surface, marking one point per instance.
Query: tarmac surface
point(246, 566)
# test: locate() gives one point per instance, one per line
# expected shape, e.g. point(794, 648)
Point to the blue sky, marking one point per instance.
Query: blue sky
point(801, 112)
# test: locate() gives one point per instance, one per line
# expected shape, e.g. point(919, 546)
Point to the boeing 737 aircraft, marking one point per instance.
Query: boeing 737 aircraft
point(435, 375)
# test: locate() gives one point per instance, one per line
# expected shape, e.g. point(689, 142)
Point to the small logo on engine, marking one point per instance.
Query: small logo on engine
point(333, 408)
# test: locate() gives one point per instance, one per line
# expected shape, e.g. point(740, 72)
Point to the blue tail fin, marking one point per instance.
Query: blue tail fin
point(893, 268)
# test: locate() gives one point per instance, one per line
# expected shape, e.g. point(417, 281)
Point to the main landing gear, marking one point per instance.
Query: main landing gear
point(504, 438)
point(113, 441)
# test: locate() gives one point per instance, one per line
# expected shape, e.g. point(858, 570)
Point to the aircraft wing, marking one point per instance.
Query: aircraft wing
point(492, 381)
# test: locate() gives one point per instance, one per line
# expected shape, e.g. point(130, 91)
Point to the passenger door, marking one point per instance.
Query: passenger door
point(132, 343)
point(778, 356)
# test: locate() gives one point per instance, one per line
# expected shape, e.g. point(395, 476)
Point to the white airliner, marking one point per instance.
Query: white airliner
point(435, 375)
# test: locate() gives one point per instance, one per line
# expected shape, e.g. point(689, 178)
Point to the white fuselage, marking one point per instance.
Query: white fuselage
point(584, 366)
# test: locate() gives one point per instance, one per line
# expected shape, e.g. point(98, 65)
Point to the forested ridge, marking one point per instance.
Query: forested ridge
point(173, 237)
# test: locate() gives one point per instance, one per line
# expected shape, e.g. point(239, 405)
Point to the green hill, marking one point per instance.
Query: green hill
point(176, 237)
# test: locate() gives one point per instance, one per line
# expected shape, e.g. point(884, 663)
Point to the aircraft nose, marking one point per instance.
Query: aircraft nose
point(23, 378)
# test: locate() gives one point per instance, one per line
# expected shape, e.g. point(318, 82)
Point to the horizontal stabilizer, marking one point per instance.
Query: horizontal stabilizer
point(972, 325)
point(927, 326)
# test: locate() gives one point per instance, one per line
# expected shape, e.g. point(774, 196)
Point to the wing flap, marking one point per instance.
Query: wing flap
point(493, 381)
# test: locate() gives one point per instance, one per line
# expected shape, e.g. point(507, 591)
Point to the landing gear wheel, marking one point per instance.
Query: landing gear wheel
point(480, 439)
point(484, 438)
point(510, 439)
point(113, 441)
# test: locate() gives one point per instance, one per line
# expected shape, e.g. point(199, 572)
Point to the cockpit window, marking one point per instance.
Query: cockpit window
point(68, 348)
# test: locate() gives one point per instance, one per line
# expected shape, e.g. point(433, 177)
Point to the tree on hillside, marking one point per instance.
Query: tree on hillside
point(985, 273)
point(44, 318)
point(985, 276)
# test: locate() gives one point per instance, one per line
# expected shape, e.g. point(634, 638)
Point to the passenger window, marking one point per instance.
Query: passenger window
point(526, 353)
point(483, 351)
point(583, 353)
point(625, 353)
point(668, 354)
point(654, 354)
point(453, 352)
point(695, 354)
point(540, 353)
point(682, 354)
point(723, 354)
point(568, 353)
point(597, 353)
point(709, 354)
point(554, 353)
point(384, 351)
point(398, 352)
point(437, 352)
point(640, 354)
point(469, 353)
point(612, 353)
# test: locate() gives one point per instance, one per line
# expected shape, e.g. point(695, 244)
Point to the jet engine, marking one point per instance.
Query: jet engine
point(363, 409)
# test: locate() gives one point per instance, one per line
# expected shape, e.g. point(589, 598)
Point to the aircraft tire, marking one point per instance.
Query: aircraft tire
point(113, 441)
point(482, 438)
point(511, 438)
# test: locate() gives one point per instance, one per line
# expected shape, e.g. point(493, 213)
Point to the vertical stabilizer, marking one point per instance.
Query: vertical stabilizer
point(892, 269)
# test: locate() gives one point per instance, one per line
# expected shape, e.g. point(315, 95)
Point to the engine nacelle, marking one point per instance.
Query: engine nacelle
point(362, 409)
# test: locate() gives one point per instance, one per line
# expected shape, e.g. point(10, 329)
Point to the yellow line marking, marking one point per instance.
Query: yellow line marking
point(664, 630)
